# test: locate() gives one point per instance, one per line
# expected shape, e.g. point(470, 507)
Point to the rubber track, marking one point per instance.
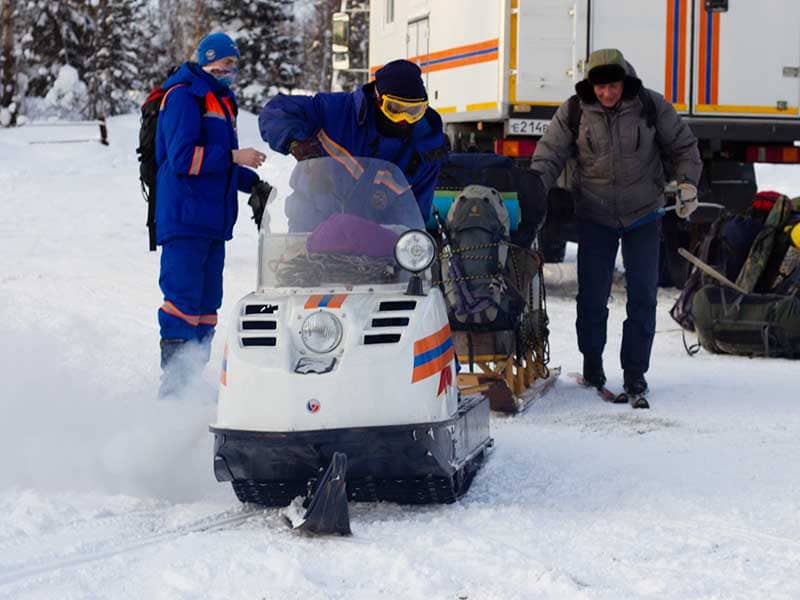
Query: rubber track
point(424, 490)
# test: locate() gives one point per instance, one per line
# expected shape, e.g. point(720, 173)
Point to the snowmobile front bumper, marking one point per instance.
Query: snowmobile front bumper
point(418, 463)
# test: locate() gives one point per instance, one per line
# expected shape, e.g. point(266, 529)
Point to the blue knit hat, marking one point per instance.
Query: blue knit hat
point(215, 46)
point(401, 78)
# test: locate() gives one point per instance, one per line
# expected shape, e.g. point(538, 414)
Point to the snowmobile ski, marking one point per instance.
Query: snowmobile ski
point(605, 393)
point(327, 512)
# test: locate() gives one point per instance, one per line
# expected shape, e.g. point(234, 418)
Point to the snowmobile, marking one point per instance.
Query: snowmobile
point(342, 357)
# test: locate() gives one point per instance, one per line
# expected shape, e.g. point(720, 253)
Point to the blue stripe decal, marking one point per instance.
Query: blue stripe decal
point(437, 61)
point(325, 299)
point(675, 43)
point(709, 45)
point(426, 357)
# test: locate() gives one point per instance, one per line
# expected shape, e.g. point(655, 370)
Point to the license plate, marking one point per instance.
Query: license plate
point(528, 126)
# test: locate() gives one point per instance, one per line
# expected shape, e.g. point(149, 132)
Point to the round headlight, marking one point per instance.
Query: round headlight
point(415, 251)
point(321, 332)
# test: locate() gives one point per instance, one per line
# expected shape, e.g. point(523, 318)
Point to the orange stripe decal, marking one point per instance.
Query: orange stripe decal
point(337, 301)
point(433, 367)
point(313, 301)
point(432, 341)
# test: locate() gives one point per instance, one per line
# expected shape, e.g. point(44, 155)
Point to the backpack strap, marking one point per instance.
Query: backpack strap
point(575, 112)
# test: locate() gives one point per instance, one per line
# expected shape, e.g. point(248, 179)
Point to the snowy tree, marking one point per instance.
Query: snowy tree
point(56, 34)
point(267, 40)
point(9, 99)
point(183, 24)
point(359, 47)
point(119, 47)
point(314, 18)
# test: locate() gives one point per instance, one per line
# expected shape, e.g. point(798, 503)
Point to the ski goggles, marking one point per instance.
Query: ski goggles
point(398, 110)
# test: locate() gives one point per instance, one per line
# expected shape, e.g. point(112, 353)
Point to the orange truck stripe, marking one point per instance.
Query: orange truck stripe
point(684, 19)
point(715, 59)
point(702, 48)
point(670, 51)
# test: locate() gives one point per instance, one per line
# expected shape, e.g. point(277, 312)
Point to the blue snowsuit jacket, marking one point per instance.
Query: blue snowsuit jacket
point(349, 121)
point(197, 179)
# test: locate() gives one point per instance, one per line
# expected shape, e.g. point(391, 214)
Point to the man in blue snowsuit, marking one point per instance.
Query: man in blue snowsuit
point(200, 169)
point(388, 118)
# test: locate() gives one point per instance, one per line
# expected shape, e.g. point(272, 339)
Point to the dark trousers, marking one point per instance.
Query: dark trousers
point(597, 252)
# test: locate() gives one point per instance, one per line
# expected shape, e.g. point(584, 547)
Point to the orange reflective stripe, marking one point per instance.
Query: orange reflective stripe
point(213, 107)
point(169, 308)
point(197, 160)
point(340, 155)
point(385, 178)
point(208, 319)
point(168, 92)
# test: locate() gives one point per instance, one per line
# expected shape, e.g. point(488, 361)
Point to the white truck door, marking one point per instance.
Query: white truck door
point(418, 43)
point(655, 37)
point(746, 56)
point(551, 47)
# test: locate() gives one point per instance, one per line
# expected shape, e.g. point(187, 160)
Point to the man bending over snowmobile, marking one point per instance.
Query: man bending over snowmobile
point(388, 118)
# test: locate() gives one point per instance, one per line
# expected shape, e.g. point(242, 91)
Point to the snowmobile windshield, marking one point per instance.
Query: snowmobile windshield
point(338, 225)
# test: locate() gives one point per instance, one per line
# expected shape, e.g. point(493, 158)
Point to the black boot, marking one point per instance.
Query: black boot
point(593, 373)
point(635, 383)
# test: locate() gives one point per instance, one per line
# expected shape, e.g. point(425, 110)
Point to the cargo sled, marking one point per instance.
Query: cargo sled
point(486, 217)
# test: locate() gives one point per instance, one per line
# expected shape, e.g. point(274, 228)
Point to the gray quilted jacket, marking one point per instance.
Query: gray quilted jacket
point(618, 176)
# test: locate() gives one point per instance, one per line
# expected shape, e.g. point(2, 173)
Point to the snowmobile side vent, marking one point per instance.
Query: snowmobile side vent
point(391, 305)
point(250, 325)
point(382, 338)
point(390, 322)
point(258, 341)
point(260, 309)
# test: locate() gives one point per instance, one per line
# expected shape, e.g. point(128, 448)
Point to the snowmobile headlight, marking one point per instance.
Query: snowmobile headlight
point(415, 250)
point(321, 332)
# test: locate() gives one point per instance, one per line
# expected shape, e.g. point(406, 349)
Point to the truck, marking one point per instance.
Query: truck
point(497, 70)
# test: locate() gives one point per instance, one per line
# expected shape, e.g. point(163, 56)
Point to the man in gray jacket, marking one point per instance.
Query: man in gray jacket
point(617, 131)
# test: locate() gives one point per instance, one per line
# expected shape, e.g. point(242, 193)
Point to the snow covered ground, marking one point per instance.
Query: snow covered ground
point(108, 493)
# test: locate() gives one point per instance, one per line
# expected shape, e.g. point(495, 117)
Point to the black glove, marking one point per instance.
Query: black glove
point(305, 149)
point(259, 196)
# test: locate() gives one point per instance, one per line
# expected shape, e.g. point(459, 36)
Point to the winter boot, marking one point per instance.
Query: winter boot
point(635, 383)
point(593, 373)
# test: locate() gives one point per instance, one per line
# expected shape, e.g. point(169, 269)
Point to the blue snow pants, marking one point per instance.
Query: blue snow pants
point(191, 281)
point(597, 252)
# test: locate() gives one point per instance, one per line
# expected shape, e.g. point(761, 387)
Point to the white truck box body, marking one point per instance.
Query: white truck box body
point(483, 59)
